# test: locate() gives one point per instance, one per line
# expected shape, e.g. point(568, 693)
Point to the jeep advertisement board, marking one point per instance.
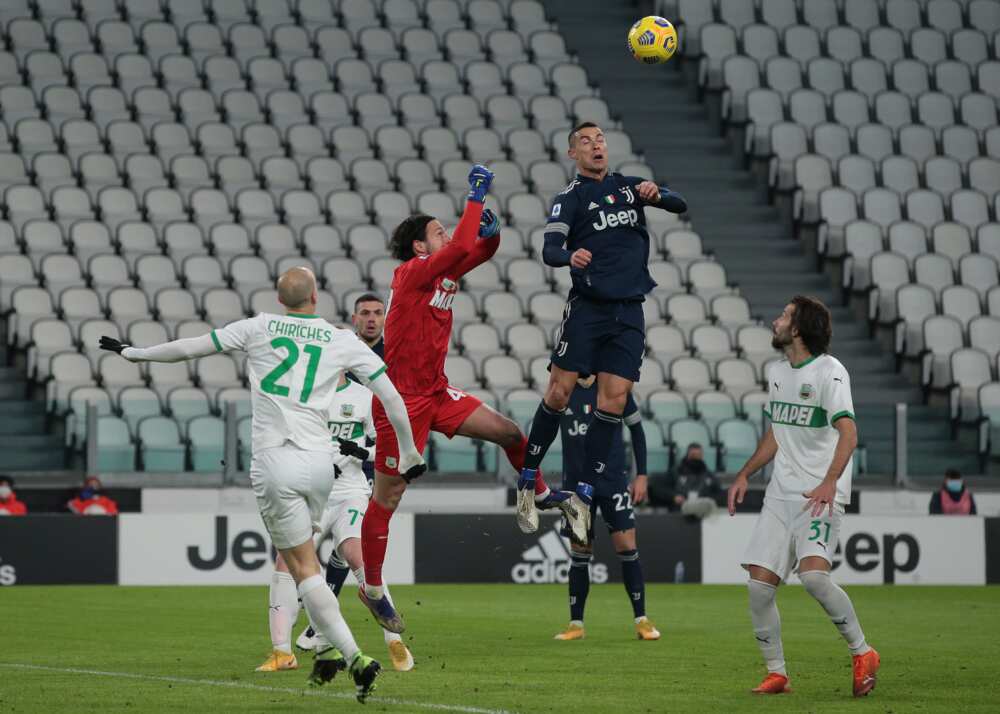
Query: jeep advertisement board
point(479, 548)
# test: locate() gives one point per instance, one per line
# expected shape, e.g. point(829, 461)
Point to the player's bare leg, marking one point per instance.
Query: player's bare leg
point(763, 587)
point(579, 588)
point(335, 648)
point(283, 610)
point(387, 492)
point(628, 554)
point(487, 424)
point(814, 572)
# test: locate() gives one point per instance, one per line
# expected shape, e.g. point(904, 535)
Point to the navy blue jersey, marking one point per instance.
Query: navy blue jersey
point(605, 217)
point(573, 425)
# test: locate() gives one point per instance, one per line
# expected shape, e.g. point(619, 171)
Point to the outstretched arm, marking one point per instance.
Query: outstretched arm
point(463, 240)
point(485, 246)
point(176, 351)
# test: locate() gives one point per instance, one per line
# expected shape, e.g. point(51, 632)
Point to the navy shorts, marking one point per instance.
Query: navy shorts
point(601, 337)
point(612, 499)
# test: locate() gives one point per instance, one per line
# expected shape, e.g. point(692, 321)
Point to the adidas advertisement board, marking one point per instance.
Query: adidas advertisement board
point(233, 549)
point(478, 548)
point(918, 550)
point(58, 550)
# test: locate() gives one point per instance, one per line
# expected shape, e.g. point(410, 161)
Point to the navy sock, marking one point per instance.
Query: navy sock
point(579, 585)
point(600, 435)
point(544, 428)
point(635, 586)
point(336, 574)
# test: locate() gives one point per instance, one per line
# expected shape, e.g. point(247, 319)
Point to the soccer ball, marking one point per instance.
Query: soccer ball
point(652, 40)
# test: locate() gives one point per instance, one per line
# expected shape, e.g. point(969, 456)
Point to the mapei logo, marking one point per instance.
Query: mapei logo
point(444, 296)
point(549, 562)
point(613, 220)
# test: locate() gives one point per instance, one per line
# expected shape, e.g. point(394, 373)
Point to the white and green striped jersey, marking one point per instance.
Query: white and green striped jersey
point(294, 363)
point(351, 418)
point(804, 402)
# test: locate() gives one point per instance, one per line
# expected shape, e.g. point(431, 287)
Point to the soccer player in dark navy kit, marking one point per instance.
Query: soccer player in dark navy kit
point(613, 496)
point(598, 228)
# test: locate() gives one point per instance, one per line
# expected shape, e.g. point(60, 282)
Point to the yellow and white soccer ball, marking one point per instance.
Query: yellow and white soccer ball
point(652, 40)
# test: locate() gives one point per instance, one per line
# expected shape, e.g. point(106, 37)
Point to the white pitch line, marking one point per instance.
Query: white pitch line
point(254, 687)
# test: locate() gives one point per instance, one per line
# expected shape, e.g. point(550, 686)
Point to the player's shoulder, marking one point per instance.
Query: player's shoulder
point(569, 189)
point(777, 366)
point(830, 365)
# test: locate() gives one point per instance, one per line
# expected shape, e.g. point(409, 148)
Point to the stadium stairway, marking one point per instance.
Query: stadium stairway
point(30, 439)
point(730, 210)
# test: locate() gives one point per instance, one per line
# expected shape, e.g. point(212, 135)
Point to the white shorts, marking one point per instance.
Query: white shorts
point(785, 534)
point(342, 517)
point(292, 486)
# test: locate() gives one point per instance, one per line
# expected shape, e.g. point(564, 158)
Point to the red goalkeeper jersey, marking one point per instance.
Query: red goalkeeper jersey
point(418, 315)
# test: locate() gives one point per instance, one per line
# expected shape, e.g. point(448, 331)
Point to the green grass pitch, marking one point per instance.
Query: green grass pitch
point(485, 648)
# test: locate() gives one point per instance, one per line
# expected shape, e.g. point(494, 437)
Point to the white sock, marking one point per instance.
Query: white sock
point(838, 606)
point(374, 592)
point(324, 610)
point(539, 497)
point(578, 623)
point(767, 624)
point(283, 611)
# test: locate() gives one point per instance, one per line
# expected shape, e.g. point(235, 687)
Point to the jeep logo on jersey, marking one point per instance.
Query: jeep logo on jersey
point(805, 391)
point(613, 220)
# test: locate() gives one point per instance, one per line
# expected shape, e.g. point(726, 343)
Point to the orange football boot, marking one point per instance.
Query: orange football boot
point(773, 683)
point(865, 668)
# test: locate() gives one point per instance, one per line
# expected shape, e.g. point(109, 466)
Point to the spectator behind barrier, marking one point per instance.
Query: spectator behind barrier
point(91, 502)
point(692, 488)
point(9, 505)
point(953, 498)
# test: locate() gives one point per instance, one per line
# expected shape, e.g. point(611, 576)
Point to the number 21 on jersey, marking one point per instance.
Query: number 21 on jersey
point(270, 383)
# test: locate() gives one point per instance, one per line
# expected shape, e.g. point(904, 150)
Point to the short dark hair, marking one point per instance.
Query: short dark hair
point(4, 478)
point(582, 125)
point(693, 445)
point(812, 321)
point(413, 228)
point(367, 297)
point(952, 473)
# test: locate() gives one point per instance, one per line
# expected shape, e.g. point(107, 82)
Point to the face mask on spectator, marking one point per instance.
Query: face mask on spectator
point(5, 492)
point(697, 464)
point(954, 485)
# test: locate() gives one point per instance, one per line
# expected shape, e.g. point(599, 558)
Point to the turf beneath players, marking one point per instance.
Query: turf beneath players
point(488, 647)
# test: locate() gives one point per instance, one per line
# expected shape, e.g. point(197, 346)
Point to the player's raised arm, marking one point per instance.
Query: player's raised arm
point(486, 246)
point(434, 264)
point(660, 196)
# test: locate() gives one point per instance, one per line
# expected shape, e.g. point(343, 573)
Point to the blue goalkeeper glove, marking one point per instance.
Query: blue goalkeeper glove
point(480, 179)
point(489, 224)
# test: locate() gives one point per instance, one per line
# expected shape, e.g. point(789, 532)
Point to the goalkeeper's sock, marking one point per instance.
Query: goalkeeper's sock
point(600, 436)
point(324, 610)
point(635, 586)
point(544, 427)
point(516, 454)
point(374, 541)
point(579, 585)
point(336, 573)
point(283, 611)
point(838, 606)
point(767, 624)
